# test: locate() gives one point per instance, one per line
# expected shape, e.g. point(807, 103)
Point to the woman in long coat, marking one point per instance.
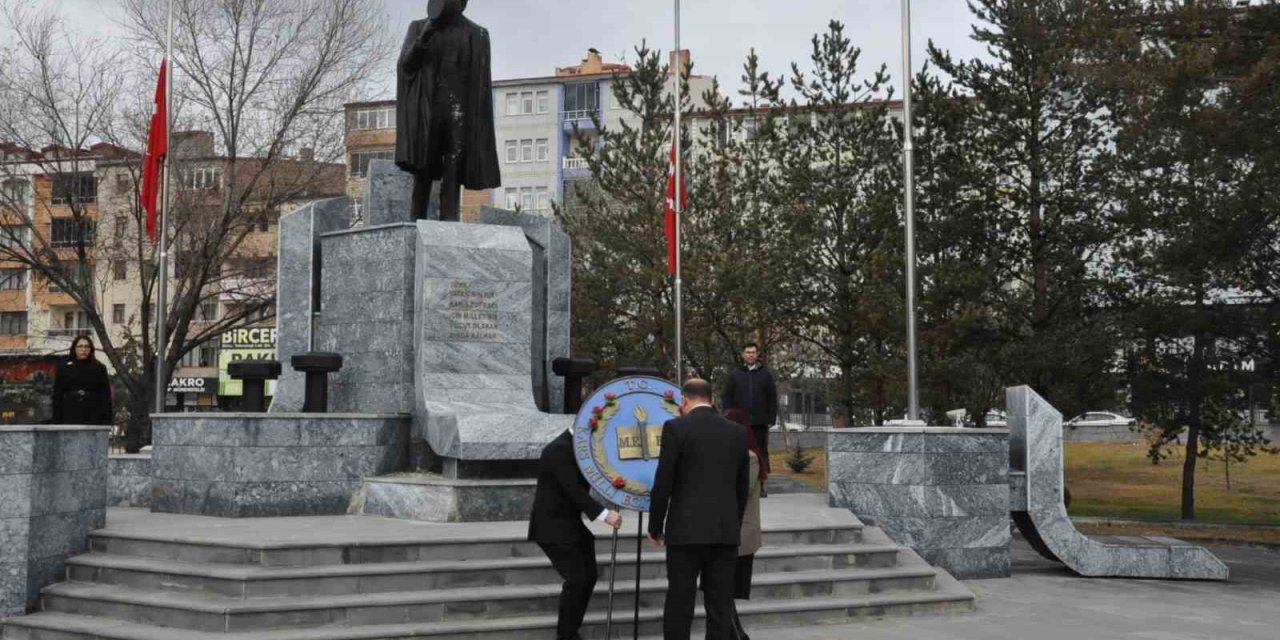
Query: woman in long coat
point(81, 388)
point(752, 538)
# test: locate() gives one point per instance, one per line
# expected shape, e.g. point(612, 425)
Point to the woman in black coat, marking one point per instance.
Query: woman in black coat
point(81, 389)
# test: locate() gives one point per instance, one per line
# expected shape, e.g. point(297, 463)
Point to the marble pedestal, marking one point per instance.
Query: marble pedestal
point(53, 492)
point(943, 492)
point(262, 464)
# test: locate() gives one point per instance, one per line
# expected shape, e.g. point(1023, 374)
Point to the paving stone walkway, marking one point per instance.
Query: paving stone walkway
point(1045, 602)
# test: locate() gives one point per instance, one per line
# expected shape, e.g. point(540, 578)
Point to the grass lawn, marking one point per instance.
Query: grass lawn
point(1114, 480)
point(1118, 481)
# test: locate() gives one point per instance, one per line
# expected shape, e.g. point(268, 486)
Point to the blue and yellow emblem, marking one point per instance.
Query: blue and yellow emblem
point(617, 437)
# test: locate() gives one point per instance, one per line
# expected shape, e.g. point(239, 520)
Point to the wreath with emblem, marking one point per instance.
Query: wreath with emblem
point(600, 417)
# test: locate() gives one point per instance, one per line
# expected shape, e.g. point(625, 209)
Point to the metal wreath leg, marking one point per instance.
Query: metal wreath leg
point(613, 573)
point(635, 626)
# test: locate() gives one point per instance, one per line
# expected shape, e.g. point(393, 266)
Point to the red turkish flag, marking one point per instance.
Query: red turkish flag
point(671, 221)
point(157, 148)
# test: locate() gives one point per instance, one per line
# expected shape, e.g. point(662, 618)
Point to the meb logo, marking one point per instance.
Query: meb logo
point(617, 438)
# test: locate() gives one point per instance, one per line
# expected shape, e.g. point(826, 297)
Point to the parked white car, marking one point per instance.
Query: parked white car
point(1100, 419)
point(791, 427)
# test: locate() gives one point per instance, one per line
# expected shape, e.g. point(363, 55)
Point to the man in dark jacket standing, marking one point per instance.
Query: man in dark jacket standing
point(560, 500)
point(699, 495)
point(751, 389)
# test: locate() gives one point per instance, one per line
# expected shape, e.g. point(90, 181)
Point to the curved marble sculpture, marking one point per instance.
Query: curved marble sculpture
point(1035, 479)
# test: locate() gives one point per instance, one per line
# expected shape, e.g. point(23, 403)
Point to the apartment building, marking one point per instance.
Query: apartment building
point(38, 322)
point(536, 121)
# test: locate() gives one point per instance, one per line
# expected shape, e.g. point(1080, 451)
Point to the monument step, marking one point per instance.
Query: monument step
point(250, 581)
point(467, 544)
point(948, 596)
point(205, 612)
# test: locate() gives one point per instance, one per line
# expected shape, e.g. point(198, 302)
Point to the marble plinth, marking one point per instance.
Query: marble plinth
point(388, 194)
point(129, 480)
point(298, 290)
point(941, 491)
point(254, 464)
point(53, 492)
point(473, 308)
point(438, 499)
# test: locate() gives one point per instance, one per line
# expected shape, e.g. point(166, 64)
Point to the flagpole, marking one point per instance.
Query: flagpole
point(908, 162)
point(676, 73)
point(162, 270)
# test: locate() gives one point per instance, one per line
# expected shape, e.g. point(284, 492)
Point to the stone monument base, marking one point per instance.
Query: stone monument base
point(942, 491)
point(432, 498)
point(270, 464)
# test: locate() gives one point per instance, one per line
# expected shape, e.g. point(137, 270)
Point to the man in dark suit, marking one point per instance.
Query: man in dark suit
point(696, 507)
point(751, 388)
point(560, 500)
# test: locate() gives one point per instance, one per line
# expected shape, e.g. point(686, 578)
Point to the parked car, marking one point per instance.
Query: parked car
point(1100, 419)
point(997, 419)
point(791, 427)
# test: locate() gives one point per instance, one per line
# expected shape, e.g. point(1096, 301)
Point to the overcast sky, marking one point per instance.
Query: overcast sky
point(532, 37)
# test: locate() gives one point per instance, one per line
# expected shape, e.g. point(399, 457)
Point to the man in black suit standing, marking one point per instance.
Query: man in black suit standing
point(699, 494)
point(560, 500)
point(751, 388)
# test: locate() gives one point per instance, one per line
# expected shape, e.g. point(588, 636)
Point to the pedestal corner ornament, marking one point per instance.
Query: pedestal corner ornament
point(617, 437)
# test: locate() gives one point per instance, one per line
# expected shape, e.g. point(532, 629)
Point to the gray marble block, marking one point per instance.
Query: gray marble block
point(366, 314)
point(943, 492)
point(299, 257)
point(435, 499)
point(1038, 510)
point(53, 492)
point(388, 194)
point(249, 465)
point(129, 480)
point(552, 280)
point(473, 340)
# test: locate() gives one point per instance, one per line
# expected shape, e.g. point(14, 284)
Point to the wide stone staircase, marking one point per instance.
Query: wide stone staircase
point(157, 577)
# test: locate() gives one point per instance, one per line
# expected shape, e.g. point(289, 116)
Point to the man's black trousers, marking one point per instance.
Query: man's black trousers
point(715, 563)
point(576, 564)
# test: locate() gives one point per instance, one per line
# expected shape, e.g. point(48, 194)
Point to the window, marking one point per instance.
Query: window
point(614, 103)
point(526, 150)
point(208, 356)
point(121, 225)
point(13, 323)
point(373, 119)
point(524, 103)
point(544, 149)
point(749, 128)
point(543, 196)
point(117, 313)
point(75, 320)
point(16, 192)
point(208, 311)
point(13, 279)
point(77, 187)
point(72, 272)
point(526, 198)
point(360, 160)
point(203, 178)
point(513, 198)
point(69, 232)
point(119, 270)
point(513, 151)
point(14, 235)
point(581, 100)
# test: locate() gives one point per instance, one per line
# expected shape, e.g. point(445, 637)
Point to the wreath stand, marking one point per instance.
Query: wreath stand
point(613, 573)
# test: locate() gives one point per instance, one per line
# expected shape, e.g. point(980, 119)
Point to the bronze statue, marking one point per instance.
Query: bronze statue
point(444, 108)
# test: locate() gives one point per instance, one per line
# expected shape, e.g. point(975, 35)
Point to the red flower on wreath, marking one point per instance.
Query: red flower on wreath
point(611, 396)
point(597, 410)
point(619, 482)
point(594, 422)
point(669, 394)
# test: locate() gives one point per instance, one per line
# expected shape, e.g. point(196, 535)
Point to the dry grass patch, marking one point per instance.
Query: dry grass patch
point(1118, 481)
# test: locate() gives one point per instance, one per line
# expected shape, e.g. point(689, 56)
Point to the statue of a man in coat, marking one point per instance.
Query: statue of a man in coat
point(444, 108)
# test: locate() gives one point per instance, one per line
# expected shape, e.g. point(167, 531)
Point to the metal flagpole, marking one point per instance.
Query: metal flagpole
point(676, 73)
point(635, 621)
point(908, 161)
point(162, 270)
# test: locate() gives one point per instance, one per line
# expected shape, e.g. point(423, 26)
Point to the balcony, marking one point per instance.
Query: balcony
point(578, 120)
point(66, 333)
point(576, 168)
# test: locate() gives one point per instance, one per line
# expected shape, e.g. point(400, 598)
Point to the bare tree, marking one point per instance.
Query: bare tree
point(266, 81)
